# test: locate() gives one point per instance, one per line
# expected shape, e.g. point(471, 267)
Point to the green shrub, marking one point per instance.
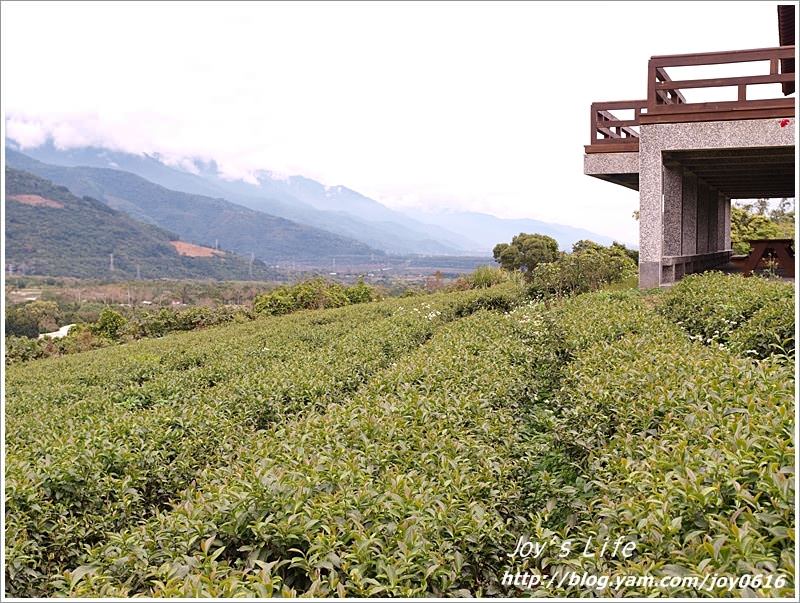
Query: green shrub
point(360, 293)
point(687, 450)
point(404, 490)
point(712, 306)
point(400, 449)
point(770, 330)
point(99, 443)
point(314, 294)
point(317, 294)
point(277, 302)
point(110, 324)
point(486, 276)
point(588, 268)
point(22, 349)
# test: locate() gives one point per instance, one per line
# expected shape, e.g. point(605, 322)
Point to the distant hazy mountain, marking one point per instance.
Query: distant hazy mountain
point(50, 231)
point(488, 230)
point(337, 210)
point(197, 218)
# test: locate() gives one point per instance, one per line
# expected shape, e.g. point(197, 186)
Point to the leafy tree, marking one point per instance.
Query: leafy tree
point(360, 293)
point(30, 319)
point(109, 324)
point(631, 253)
point(526, 251)
point(746, 225)
point(585, 245)
point(20, 323)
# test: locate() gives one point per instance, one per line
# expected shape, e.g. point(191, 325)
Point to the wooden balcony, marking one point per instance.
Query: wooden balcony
point(666, 97)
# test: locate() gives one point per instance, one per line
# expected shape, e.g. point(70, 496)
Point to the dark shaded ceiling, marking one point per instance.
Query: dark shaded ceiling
point(765, 172)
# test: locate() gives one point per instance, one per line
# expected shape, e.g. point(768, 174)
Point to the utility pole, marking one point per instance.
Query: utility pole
point(138, 272)
point(111, 262)
point(250, 266)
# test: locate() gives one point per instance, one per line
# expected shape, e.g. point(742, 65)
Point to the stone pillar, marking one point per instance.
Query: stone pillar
point(650, 210)
point(702, 217)
point(673, 209)
point(726, 223)
point(722, 223)
point(689, 217)
point(713, 214)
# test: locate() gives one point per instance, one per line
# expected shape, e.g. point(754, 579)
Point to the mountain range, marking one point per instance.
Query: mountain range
point(52, 232)
point(197, 218)
point(334, 209)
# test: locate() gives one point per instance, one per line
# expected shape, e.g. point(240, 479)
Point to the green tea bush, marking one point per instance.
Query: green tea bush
point(713, 306)
point(104, 440)
point(683, 448)
point(22, 349)
point(769, 331)
point(313, 294)
point(602, 317)
point(586, 269)
point(687, 451)
point(410, 488)
point(401, 448)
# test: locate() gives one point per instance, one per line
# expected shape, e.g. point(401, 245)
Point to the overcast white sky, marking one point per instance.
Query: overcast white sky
point(477, 106)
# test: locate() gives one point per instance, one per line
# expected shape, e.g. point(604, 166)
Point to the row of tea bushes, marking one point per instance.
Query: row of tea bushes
point(127, 433)
point(410, 488)
point(715, 307)
point(683, 448)
point(100, 441)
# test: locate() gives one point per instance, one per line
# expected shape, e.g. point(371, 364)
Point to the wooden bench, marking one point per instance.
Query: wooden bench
point(781, 249)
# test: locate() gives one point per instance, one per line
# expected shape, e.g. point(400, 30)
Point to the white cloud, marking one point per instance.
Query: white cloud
point(481, 106)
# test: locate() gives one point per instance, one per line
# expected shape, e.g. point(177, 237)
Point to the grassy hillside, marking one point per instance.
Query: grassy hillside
point(199, 219)
point(50, 231)
point(402, 448)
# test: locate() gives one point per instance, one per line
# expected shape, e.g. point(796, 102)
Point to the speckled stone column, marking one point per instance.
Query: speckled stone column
point(672, 179)
point(713, 213)
point(650, 210)
point(702, 217)
point(726, 221)
point(689, 214)
point(721, 202)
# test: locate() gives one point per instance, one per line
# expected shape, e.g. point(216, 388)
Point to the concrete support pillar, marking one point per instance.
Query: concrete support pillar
point(726, 223)
point(702, 217)
point(673, 209)
point(650, 213)
point(689, 217)
point(720, 236)
point(713, 218)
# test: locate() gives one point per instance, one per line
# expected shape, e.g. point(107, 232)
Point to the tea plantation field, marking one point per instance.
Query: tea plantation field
point(402, 448)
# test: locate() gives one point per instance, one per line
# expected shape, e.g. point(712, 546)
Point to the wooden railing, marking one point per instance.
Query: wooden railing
point(610, 134)
point(666, 103)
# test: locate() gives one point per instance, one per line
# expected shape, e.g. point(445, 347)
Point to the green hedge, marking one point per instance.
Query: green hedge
point(313, 294)
point(684, 448)
point(401, 448)
point(713, 306)
point(100, 441)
